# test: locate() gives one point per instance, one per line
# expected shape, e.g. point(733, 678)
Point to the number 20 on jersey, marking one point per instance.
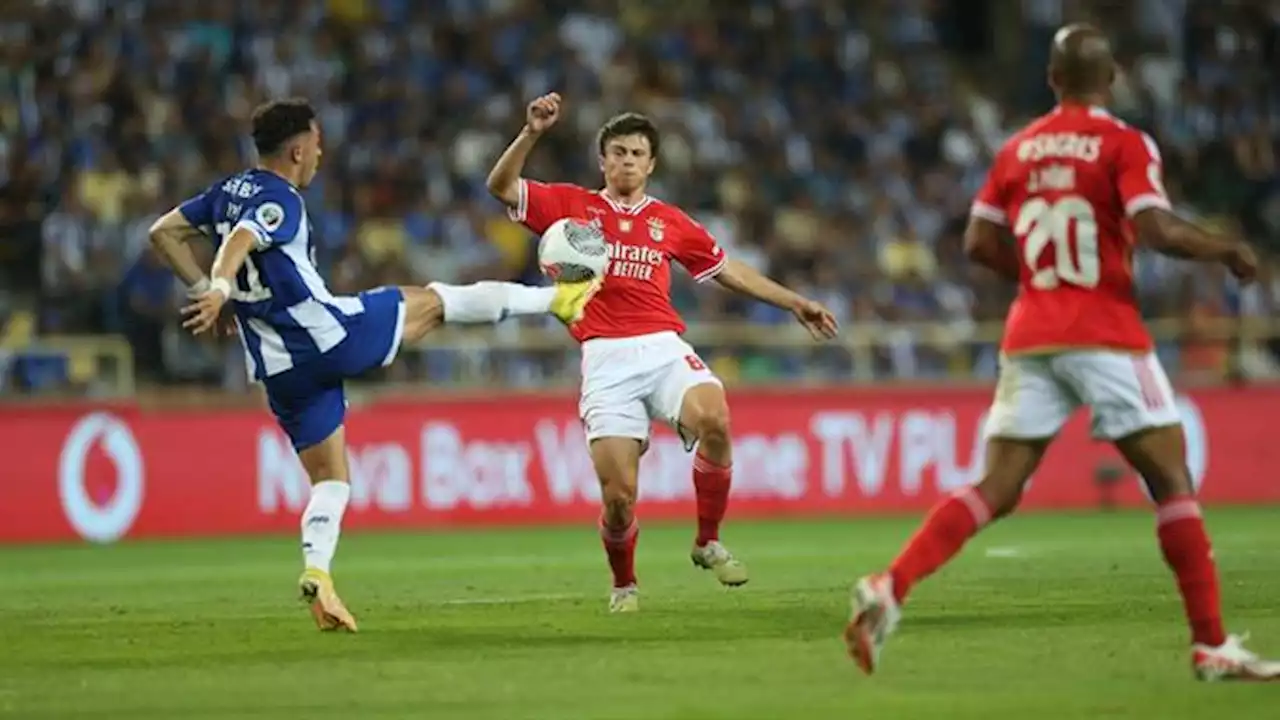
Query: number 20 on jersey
point(1048, 224)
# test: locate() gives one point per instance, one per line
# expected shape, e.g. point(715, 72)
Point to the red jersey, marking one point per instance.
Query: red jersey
point(643, 241)
point(1070, 182)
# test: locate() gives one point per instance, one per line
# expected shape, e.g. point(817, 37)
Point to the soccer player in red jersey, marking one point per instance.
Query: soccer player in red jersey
point(1073, 188)
point(635, 366)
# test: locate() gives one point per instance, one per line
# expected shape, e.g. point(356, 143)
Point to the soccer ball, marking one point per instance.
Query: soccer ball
point(573, 250)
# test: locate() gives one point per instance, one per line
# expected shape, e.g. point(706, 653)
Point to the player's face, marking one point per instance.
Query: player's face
point(627, 162)
point(310, 154)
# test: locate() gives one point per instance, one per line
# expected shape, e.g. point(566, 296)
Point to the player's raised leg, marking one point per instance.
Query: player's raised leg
point(1031, 405)
point(617, 465)
point(490, 301)
point(704, 418)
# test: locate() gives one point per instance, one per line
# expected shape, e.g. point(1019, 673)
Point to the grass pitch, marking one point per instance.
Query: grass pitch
point(1050, 617)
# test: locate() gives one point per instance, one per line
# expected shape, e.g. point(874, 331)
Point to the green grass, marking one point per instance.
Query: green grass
point(1069, 617)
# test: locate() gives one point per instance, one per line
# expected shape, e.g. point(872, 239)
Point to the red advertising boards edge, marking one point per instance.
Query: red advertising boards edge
point(103, 472)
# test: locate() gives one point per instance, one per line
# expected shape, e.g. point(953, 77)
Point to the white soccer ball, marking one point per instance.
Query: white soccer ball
point(573, 250)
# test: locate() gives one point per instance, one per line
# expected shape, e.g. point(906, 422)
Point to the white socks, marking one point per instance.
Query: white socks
point(490, 301)
point(322, 522)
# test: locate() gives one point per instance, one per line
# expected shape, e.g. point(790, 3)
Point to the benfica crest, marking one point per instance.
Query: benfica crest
point(656, 228)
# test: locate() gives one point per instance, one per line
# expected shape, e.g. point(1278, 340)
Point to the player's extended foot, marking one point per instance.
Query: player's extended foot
point(1231, 661)
point(571, 299)
point(875, 615)
point(326, 607)
point(715, 557)
point(624, 599)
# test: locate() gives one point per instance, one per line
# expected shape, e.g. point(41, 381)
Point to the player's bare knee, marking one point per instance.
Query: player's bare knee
point(1001, 497)
point(1009, 464)
point(619, 498)
point(423, 312)
point(327, 459)
point(1169, 482)
point(1001, 490)
point(704, 413)
point(1159, 456)
point(617, 465)
point(617, 493)
point(712, 429)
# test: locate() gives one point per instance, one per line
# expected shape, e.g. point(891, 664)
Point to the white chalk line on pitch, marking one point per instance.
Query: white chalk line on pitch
point(512, 600)
point(1004, 552)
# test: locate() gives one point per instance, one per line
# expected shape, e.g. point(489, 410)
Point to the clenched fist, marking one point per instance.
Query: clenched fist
point(543, 112)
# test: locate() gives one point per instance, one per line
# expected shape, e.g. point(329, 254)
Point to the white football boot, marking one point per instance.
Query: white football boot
point(624, 599)
point(716, 557)
point(1231, 661)
point(875, 615)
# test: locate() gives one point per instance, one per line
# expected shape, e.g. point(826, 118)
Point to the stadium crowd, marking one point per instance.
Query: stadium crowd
point(835, 144)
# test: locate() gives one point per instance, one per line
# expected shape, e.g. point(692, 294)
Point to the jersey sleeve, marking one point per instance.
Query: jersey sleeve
point(990, 202)
point(541, 204)
point(198, 211)
point(1140, 174)
point(698, 251)
point(273, 218)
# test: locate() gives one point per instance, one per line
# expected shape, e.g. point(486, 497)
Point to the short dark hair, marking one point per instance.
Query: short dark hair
point(279, 121)
point(629, 123)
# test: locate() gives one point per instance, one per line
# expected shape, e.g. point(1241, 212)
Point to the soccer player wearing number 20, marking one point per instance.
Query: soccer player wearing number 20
point(1074, 187)
point(635, 365)
point(300, 340)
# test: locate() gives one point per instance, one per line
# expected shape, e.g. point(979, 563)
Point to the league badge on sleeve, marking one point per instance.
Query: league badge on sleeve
point(270, 216)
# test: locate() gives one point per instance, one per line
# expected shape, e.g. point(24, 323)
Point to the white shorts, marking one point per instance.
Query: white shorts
point(629, 382)
point(1125, 393)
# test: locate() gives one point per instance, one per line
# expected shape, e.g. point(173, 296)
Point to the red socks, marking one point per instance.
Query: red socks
point(946, 529)
point(620, 546)
point(1186, 549)
point(1179, 525)
point(711, 488)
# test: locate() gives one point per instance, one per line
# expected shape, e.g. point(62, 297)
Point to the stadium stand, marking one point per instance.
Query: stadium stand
point(836, 144)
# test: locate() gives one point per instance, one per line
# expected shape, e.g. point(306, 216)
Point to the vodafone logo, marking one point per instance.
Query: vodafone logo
point(95, 521)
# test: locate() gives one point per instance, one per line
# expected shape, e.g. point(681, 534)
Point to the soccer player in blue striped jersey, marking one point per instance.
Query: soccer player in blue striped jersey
point(300, 340)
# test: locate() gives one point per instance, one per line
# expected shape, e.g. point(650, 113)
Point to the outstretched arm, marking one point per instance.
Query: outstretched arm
point(1168, 234)
point(743, 279)
point(1139, 173)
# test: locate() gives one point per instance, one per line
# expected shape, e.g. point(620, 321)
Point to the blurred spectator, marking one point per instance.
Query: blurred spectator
point(104, 189)
point(67, 302)
point(147, 291)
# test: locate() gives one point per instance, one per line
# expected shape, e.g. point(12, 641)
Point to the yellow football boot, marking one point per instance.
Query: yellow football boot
point(570, 302)
point(317, 592)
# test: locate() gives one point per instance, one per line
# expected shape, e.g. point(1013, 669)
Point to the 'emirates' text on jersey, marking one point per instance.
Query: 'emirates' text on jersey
point(643, 240)
point(286, 314)
point(1067, 186)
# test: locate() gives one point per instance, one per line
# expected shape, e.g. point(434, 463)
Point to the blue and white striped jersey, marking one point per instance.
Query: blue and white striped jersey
point(286, 314)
